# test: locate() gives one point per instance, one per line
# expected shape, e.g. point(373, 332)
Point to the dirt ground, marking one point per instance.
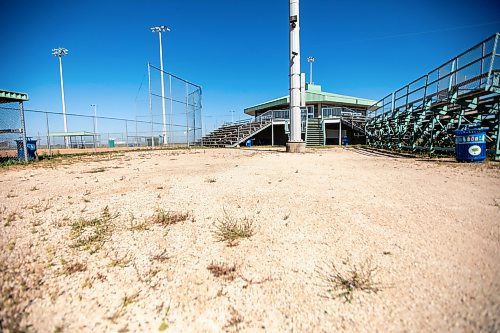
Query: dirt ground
point(427, 230)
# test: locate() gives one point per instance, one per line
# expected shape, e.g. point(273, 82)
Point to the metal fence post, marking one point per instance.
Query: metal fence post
point(48, 133)
point(187, 115)
point(171, 108)
point(23, 127)
point(136, 137)
point(126, 133)
point(94, 136)
point(150, 105)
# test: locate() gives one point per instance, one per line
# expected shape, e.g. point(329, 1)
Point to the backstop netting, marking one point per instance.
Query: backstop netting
point(175, 113)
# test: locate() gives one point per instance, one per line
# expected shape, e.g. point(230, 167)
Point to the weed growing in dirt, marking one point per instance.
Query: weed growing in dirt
point(39, 206)
point(210, 180)
point(235, 319)
point(69, 268)
point(161, 257)
point(92, 234)
point(11, 217)
point(136, 225)
point(166, 218)
point(223, 270)
point(230, 229)
point(120, 261)
point(127, 300)
point(88, 283)
point(344, 283)
point(20, 284)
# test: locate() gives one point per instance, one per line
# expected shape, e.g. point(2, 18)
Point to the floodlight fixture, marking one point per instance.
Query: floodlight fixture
point(59, 52)
point(160, 28)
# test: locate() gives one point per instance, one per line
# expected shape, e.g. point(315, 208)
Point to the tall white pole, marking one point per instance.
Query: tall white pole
point(171, 108)
point(63, 102)
point(310, 60)
point(295, 119)
point(165, 140)
point(311, 72)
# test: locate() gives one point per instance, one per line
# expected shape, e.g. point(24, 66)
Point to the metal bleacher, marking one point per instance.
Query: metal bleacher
point(422, 114)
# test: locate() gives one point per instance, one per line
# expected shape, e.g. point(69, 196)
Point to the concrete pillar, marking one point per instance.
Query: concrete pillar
point(295, 144)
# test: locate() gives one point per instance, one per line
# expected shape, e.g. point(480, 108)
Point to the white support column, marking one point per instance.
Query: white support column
point(340, 132)
point(296, 144)
point(272, 132)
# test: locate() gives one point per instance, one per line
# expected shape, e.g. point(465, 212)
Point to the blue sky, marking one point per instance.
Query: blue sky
point(236, 50)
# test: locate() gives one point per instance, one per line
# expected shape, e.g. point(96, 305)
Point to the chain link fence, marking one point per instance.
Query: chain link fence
point(173, 120)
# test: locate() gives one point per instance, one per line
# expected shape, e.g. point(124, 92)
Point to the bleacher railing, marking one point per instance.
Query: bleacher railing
point(473, 69)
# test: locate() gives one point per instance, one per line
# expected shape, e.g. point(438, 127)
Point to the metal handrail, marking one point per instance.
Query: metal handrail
point(435, 78)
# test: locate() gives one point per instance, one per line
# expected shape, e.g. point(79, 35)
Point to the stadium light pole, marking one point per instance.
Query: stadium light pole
point(159, 30)
point(232, 116)
point(310, 60)
point(295, 144)
point(61, 52)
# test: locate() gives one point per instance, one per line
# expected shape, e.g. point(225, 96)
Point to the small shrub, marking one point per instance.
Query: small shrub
point(166, 218)
point(92, 234)
point(230, 229)
point(343, 283)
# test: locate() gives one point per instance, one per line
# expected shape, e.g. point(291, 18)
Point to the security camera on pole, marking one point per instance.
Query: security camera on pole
point(159, 30)
point(295, 145)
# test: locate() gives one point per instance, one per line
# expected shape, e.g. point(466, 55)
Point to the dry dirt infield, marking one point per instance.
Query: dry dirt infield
point(431, 228)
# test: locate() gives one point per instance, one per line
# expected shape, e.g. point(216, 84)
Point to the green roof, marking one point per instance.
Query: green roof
point(12, 96)
point(313, 95)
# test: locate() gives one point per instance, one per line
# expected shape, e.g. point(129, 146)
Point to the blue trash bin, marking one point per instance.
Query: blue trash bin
point(248, 143)
point(30, 148)
point(470, 144)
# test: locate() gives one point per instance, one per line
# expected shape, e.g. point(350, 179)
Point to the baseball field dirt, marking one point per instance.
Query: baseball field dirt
point(250, 240)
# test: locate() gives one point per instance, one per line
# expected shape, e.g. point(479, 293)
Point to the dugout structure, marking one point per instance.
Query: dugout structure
point(12, 120)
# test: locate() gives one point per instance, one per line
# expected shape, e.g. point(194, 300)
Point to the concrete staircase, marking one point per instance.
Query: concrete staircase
point(314, 132)
point(233, 134)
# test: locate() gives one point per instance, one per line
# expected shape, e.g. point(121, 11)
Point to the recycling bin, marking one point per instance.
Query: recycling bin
point(470, 144)
point(30, 148)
